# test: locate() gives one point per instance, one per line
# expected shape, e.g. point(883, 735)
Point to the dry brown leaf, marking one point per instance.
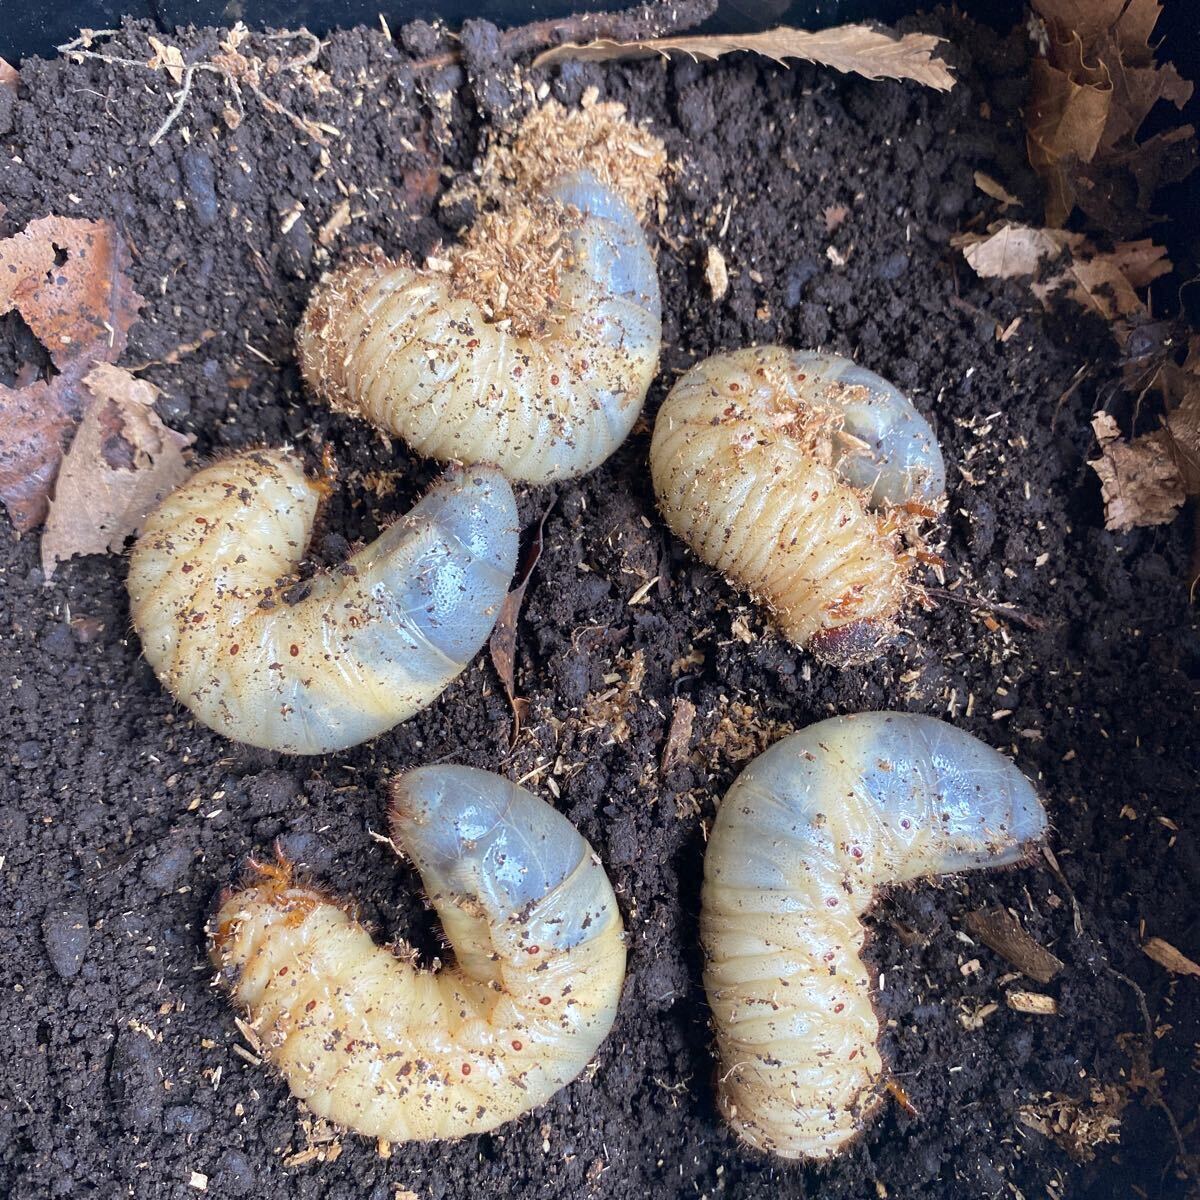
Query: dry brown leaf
point(168, 58)
point(1141, 262)
point(995, 189)
point(1182, 427)
point(1011, 251)
point(502, 645)
point(67, 278)
point(10, 77)
point(850, 48)
point(1097, 283)
point(1139, 482)
point(34, 423)
point(1090, 94)
point(1167, 956)
point(1104, 282)
point(122, 461)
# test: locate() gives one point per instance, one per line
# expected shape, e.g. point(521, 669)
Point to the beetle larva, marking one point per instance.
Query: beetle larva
point(794, 474)
point(532, 350)
point(804, 837)
point(370, 643)
point(373, 1042)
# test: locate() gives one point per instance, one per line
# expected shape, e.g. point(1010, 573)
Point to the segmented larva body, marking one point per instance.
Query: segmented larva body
point(803, 839)
point(793, 473)
point(370, 644)
point(402, 347)
point(371, 1041)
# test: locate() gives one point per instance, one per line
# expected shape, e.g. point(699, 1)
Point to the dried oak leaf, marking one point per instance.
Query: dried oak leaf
point(1089, 96)
point(121, 462)
point(1139, 482)
point(860, 49)
point(1103, 281)
point(66, 278)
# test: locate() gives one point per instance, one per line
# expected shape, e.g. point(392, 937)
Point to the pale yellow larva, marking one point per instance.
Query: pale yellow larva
point(436, 356)
point(368, 1039)
point(793, 474)
point(803, 840)
point(367, 646)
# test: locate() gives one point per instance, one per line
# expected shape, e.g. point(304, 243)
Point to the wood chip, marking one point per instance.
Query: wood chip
point(640, 595)
point(679, 736)
point(997, 191)
point(716, 274)
point(1000, 931)
point(1167, 956)
point(1035, 1003)
point(336, 223)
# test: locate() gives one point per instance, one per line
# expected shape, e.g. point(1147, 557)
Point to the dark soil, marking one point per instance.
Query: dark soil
point(121, 819)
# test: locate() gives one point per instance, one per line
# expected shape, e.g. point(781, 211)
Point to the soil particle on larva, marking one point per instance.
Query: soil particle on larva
point(111, 792)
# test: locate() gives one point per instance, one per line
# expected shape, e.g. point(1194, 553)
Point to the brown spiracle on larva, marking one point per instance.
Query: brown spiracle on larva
point(799, 475)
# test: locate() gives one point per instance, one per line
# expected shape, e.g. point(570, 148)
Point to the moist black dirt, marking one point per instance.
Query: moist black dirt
point(122, 819)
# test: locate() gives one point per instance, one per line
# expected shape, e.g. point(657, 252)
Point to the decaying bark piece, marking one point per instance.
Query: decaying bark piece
point(998, 929)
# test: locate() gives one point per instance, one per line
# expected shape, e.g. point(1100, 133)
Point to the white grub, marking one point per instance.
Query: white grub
point(803, 840)
point(532, 350)
point(797, 475)
point(367, 1038)
point(367, 646)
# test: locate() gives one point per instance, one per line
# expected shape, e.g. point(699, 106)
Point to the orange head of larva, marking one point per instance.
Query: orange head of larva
point(272, 893)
